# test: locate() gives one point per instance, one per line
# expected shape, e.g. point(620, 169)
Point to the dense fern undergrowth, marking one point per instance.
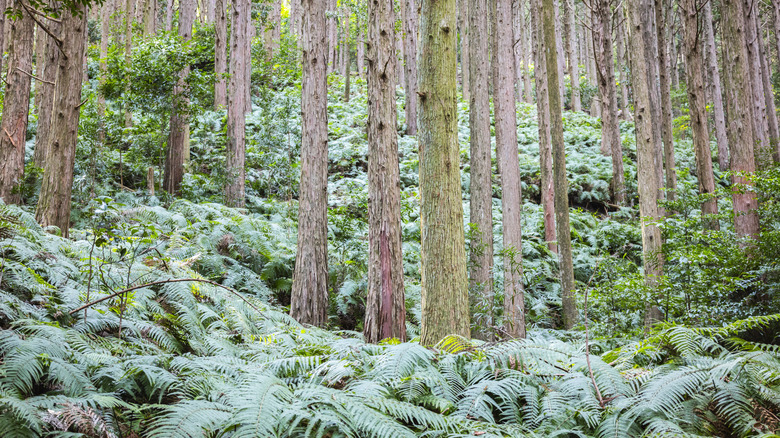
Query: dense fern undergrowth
point(201, 345)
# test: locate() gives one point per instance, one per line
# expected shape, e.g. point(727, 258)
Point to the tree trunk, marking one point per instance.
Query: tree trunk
point(506, 153)
point(601, 25)
point(740, 107)
point(220, 55)
point(520, 52)
point(410, 63)
point(16, 105)
point(463, 32)
point(105, 30)
point(273, 28)
point(763, 149)
point(650, 57)
point(445, 308)
point(295, 19)
point(698, 110)
point(621, 63)
point(569, 12)
point(150, 17)
point(360, 50)
point(666, 99)
point(560, 50)
point(309, 303)
point(385, 306)
point(169, 15)
point(347, 76)
point(769, 98)
point(481, 186)
point(568, 293)
point(3, 24)
point(646, 140)
point(545, 146)
point(344, 44)
point(719, 115)
point(236, 110)
point(179, 137)
point(332, 29)
point(47, 72)
point(57, 181)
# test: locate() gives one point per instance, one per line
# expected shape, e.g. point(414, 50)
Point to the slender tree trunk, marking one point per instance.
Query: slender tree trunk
point(698, 110)
point(16, 105)
point(739, 98)
point(763, 149)
point(128, 40)
point(601, 20)
point(344, 44)
point(650, 57)
point(545, 142)
point(272, 31)
point(463, 32)
point(769, 98)
point(445, 308)
point(150, 17)
point(332, 29)
point(179, 137)
point(506, 153)
point(410, 63)
point(621, 63)
point(646, 140)
point(360, 50)
point(295, 20)
point(561, 53)
point(569, 12)
point(347, 76)
point(666, 99)
point(520, 52)
point(251, 33)
point(719, 115)
point(57, 181)
point(309, 303)
point(385, 306)
point(211, 11)
point(47, 72)
point(169, 15)
point(105, 30)
point(3, 23)
point(220, 54)
point(568, 293)
point(236, 109)
point(481, 187)
point(399, 52)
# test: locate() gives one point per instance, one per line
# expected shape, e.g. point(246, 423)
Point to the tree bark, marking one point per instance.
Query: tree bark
point(236, 109)
point(332, 29)
point(740, 107)
point(169, 15)
point(763, 149)
point(295, 21)
point(150, 17)
point(601, 25)
point(105, 29)
point(410, 63)
point(621, 63)
point(47, 72)
point(309, 303)
point(506, 153)
point(646, 140)
point(561, 184)
point(481, 186)
point(521, 53)
point(463, 32)
point(220, 54)
point(16, 106)
point(3, 23)
point(385, 306)
point(719, 115)
point(57, 181)
point(273, 29)
point(769, 99)
point(694, 61)
point(545, 142)
point(179, 137)
point(360, 50)
point(573, 63)
point(666, 99)
point(445, 308)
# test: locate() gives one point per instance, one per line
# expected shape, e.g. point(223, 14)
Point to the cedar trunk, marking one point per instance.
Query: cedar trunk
point(763, 149)
point(463, 32)
point(16, 106)
point(220, 54)
point(719, 115)
point(445, 308)
point(309, 303)
point(385, 306)
point(410, 63)
point(236, 119)
point(44, 96)
point(666, 98)
point(569, 12)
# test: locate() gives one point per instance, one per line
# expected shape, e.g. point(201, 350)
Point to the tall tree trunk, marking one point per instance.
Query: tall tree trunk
point(694, 61)
point(463, 32)
point(445, 308)
point(568, 293)
point(179, 137)
point(220, 54)
point(410, 63)
point(545, 142)
point(344, 44)
point(16, 105)
point(360, 49)
point(169, 15)
point(506, 153)
point(332, 29)
point(569, 12)
point(105, 30)
point(57, 181)
point(47, 72)
point(128, 40)
point(295, 20)
point(385, 306)
point(520, 53)
point(481, 187)
point(646, 140)
point(150, 17)
point(273, 28)
point(3, 23)
point(763, 149)
point(309, 303)
point(666, 98)
point(621, 63)
point(739, 99)
point(211, 11)
point(719, 115)
point(650, 57)
point(561, 54)
point(769, 99)
point(601, 25)
point(236, 109)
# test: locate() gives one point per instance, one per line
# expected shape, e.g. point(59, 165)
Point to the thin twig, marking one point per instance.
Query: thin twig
point(35, 77)
point(155, 283)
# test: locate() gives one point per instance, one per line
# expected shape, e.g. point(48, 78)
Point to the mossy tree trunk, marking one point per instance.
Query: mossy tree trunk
point(385, 306)
point(445, 307)
point(309, 303)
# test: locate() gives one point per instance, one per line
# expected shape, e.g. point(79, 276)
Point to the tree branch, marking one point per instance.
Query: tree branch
point(35, 77)
point(32, 15)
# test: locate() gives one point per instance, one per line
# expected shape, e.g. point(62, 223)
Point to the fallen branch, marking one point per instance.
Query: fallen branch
point(155, 283)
